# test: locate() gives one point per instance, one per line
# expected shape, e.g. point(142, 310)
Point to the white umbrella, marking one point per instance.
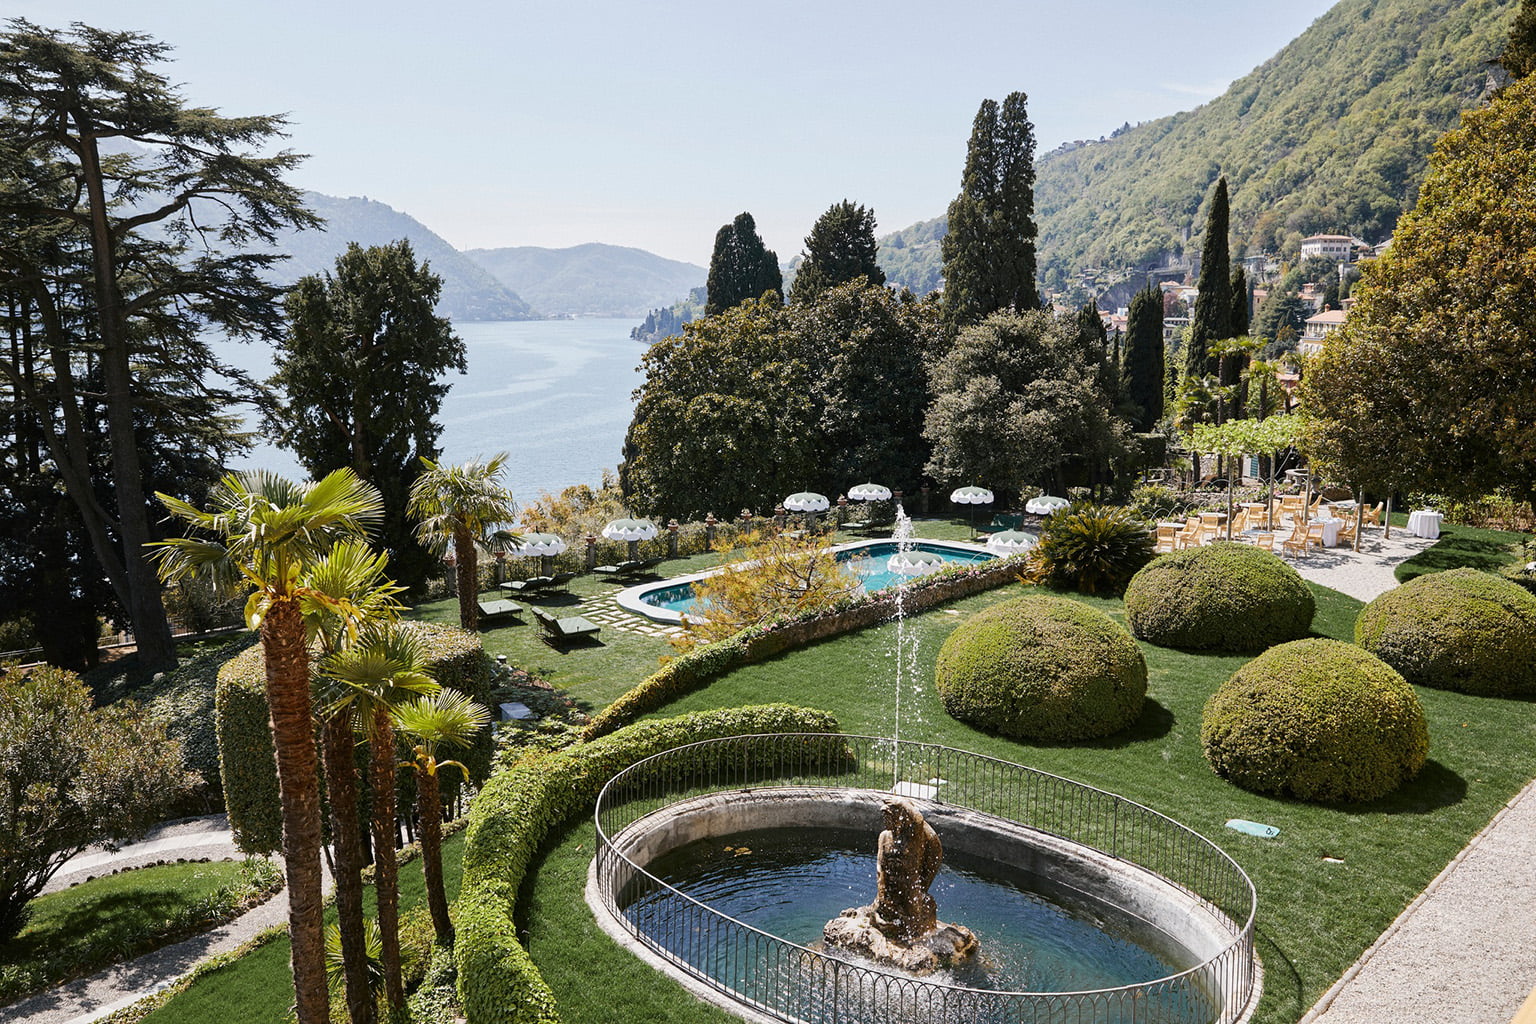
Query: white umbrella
point(971, 496)
point(1011, 542)
point(914, 563)
point(869, 492)
point(1045, 505)
point(632, 530)
point(808, 502)
point(545, 545)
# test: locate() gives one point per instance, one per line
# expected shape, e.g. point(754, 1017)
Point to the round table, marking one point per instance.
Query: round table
point(1330, 530)
point(1424, 522)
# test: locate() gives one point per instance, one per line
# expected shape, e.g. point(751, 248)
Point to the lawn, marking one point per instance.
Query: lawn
point(257, 988)
point(1316, 916)
point(1488, 550)
point(113, 918)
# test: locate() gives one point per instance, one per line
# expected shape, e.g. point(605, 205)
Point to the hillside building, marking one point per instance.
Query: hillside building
point(1317, 328)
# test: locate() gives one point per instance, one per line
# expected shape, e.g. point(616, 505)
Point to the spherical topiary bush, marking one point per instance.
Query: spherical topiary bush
point(1222, 597)
point(1459, 630)
point(1042, 668)
point(1317, 720)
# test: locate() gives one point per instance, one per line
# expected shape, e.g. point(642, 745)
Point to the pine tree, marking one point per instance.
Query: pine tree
point(1240, 303)
point(742, 267)
point(1519, 56)
point(1213, 306)
point(1144, 374)
point(989, 251)
point(840, 247)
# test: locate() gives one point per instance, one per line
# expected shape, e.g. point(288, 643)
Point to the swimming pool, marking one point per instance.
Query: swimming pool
point(670, 600)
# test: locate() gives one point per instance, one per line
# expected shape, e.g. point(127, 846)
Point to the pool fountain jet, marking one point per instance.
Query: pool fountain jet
point(901, 928)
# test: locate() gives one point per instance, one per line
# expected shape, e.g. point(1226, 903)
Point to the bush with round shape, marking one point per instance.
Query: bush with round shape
point(1042, 668)
point(1461, 630)
point(1317, 720)
point(1221, 597)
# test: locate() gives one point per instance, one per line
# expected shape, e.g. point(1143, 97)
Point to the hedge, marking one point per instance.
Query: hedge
point(519, 808)
point(1316, 720)
point(693, 670)
point(1042, 668)
point(1222, 597)
point(1461, 630)
point(249, 767)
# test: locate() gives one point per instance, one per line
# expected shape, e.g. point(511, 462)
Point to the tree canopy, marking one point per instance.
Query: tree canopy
point(840, 248)
point(1212, 320)
point(741, 267)
point(1519, 56)
point(1144, 357)
point(361, 370)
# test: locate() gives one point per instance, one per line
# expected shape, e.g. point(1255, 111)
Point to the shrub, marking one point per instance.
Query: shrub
point(1461, 630)
point(1316, 720)
point(1042, 668)
point(1092, 548)
point(519, 808)
point(1155, 501)
point(1221, 597)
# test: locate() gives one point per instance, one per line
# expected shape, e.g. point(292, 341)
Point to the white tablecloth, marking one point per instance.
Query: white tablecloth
point(1330, 531)
point(1424, 523)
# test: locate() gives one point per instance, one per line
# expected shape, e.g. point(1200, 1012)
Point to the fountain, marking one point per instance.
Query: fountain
point(901, 927)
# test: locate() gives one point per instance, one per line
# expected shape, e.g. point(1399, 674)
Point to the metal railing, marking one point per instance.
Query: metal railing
point(795, 983)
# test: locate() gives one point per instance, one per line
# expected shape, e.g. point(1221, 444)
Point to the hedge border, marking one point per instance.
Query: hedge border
point(693, 670)
point(518, 810)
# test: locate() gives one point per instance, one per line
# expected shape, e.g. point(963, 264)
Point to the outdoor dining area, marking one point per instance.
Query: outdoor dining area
point(1287, 525)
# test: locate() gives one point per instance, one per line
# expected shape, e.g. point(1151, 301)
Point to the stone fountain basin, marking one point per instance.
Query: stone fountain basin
point(1176, 920)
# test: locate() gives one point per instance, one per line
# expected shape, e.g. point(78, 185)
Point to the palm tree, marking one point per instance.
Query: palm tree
point(384, 668)
point(448, 718)
point(356, 592)
point(465, 507)
point(266, 531)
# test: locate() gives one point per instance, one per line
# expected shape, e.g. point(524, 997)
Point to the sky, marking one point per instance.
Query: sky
point(652, 124)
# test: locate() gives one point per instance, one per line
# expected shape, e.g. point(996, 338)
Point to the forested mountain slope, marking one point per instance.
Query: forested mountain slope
point(591, 279)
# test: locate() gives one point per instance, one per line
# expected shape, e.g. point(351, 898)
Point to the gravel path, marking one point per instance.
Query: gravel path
point(1365, 574)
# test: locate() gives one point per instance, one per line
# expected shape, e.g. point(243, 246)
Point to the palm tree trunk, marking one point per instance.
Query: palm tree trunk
point(468, 570)
point(298, 777)
point(386, 870)
point(430, 803)
point(341, 780)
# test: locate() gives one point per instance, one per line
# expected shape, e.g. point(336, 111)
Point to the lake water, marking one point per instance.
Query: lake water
point(554, 394)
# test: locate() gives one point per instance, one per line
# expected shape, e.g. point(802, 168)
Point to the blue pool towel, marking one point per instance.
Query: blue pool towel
point(1253, 828)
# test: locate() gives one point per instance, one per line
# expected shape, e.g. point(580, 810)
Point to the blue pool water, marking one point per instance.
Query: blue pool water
point(867, 560)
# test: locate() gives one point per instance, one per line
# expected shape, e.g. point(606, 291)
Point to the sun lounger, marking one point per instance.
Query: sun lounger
point(497, 608)
point(528, 585)
point(558, 631)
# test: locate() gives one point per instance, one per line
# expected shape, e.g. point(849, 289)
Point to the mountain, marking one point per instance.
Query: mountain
point(911, 258)
point(591, 279)
point(469, 293)
point(1332, 134)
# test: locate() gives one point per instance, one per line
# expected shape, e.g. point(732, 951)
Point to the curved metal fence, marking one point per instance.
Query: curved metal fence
point(794, 983)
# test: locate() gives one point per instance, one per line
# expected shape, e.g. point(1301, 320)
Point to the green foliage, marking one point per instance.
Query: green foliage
point(1213, 306)
point(1461, 630)
point(1220, 597)
point(119, 916)
point(1013, 400)
point(1440, 352)
point(912, 257)
point(1519, 56)
point(519, 808)
point(840, 248)
point(741, 268)
point(71, 776)
point(1144, 369)
point(362, 372)
point(1042, 668)
point(989, 250)
point(1094, 549)
point(463, 510)
point(1316, 720)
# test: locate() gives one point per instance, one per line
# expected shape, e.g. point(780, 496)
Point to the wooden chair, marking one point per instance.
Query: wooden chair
point(1347, 533)
point(1296, 543)
point(1373, 515)
point(1315, 536)
point(1167, 540)
point(1189, 537)
point(1264, 540)
point(1211, 526)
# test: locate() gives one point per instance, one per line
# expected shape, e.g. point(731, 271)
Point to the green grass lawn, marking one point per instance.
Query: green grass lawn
point(116, 917)
point(1316, 916)
point(1489, 550)
point(258, 988)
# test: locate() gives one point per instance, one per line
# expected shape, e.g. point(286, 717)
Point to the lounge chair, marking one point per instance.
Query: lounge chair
point(528, 585)
point(558, 631)
point(498, 607)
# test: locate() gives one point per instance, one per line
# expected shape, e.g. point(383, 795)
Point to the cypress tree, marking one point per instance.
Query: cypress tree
point(989, 250)
point(1144, 373)
point(840, 247)
point(741, 267)
point(1213, 306)
point(1240, 303)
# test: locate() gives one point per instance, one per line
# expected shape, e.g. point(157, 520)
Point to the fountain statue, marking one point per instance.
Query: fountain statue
point(901, 928)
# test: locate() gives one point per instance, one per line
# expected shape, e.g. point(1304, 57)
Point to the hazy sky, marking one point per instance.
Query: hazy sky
point(651, 124)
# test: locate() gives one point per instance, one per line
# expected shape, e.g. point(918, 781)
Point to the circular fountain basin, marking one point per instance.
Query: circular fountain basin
point(1051, 916)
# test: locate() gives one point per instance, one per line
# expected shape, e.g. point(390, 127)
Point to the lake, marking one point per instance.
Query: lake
point(554, 394)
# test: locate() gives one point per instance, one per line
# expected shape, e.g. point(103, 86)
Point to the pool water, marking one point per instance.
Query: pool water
point(867, 560)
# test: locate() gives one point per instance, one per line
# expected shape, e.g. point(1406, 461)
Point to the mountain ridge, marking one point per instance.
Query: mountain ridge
point(590, 279)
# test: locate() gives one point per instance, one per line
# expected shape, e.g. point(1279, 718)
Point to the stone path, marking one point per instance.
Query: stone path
point(605, 611)
point(1365, 574)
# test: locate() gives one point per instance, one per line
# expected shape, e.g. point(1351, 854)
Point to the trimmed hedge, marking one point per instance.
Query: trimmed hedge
point(1316, 720)
point(1221, 597)
point(519, 808)
point(1461, 630)
point(1042, 668)
point(698, 667)
point(249, 766)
